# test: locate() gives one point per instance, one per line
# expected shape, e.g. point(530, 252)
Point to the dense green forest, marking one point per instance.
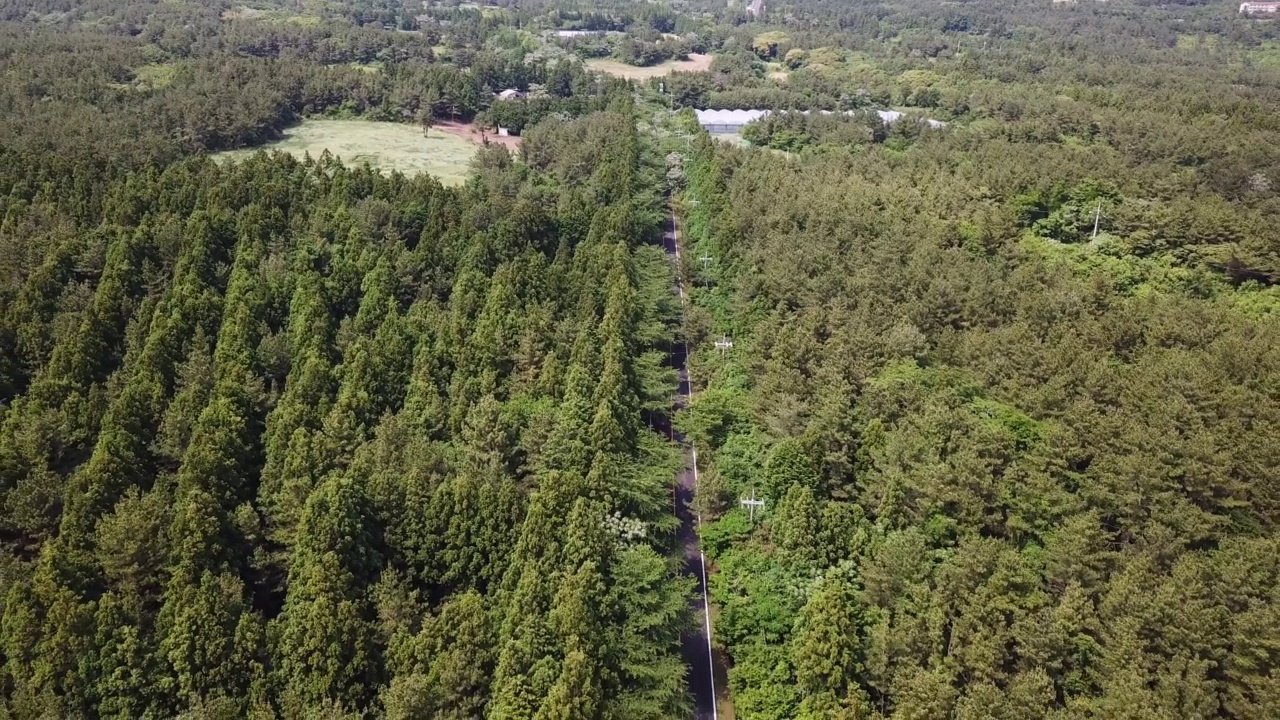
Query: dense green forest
point(292, 438)
point(1013, 466)
point(1004, 480)
point(288, 438)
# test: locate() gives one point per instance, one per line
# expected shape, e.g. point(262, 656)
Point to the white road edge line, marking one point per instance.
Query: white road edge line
point(706, 605)
point(702, 558)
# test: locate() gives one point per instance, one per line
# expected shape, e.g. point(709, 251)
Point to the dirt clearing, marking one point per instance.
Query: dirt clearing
point(475, 134)
point(695, 63)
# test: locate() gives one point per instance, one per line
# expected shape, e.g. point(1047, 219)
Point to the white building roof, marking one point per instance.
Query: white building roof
point(728, 117)
point(581, 33)
point(742, 117)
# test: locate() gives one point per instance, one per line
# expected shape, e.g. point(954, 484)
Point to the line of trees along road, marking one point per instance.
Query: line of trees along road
point(286, 439)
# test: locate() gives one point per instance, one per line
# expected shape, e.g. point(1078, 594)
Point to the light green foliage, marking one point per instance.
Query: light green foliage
point(795, 525)
point(789, 465)
point(326, 635)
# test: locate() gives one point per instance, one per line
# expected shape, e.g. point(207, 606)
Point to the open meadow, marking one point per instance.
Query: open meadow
point(695, 63)
point(387, 146)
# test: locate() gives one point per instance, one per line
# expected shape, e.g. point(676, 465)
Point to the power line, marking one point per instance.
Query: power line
point(693, 449)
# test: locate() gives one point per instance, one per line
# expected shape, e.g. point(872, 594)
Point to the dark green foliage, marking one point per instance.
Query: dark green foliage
point(288, 456)
point(290, 439)
point(327, 653)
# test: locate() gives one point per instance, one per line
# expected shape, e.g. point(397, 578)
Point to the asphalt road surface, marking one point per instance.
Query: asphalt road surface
point(696, 645)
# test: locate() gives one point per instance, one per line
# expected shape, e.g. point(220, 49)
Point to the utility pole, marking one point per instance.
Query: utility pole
point(1097, 215)
point(706, 261)
point(751, 504)
point(724, 343)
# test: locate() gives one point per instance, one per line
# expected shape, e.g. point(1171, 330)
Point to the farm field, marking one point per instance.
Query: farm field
point(695, 63)
point(387, 146)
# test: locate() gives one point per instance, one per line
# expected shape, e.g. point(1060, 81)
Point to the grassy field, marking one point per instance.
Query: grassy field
point(731, 138)
point(387, 146)
point(1265, 55)
point(695, 63)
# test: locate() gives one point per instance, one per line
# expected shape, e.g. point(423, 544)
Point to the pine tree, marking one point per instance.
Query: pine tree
point(121, 460)
point(827, 645)
point(327, 652)
point(195, 384)
point(487, 440)
point(132, 546)
point(788, 465)
point(527, 663)
point(655, 608)
point(128, 664)
point(796, 526)
point(845, 532)
point(21, 630)
point(424, 405)
point(293, 462)
point(206, 638)
point(567, 449)
point(576, 693)
point(458, 644)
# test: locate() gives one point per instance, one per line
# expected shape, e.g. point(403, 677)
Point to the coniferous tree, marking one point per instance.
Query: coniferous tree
point(796, 526)
point(327, 650)
point(827, 642)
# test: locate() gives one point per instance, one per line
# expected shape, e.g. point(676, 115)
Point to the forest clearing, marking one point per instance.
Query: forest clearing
point(695, 63)
point(443, 152)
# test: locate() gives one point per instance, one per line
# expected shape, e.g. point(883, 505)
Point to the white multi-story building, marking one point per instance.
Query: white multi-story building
point(1259, 8)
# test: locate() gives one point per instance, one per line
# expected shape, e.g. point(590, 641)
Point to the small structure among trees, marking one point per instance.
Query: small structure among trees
point(1259, 8)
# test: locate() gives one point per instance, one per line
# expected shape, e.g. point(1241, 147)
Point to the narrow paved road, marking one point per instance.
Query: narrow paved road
point(696, 645)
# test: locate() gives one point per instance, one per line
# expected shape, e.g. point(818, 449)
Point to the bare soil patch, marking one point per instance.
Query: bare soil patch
point(475, 134)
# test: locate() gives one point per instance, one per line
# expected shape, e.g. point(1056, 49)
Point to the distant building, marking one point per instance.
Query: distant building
point(1259, 8)
point(727, 121)
point(733, 121)
point(584, 33)
point(510, 94)
point(888, 117)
